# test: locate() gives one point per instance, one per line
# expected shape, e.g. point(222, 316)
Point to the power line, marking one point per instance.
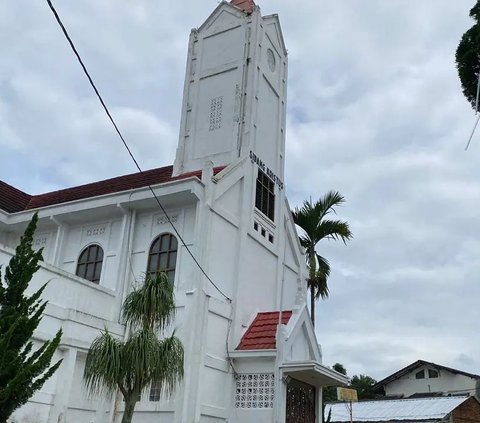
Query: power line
point(105, 108)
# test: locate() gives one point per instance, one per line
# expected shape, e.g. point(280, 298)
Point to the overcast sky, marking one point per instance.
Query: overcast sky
point(375, 111)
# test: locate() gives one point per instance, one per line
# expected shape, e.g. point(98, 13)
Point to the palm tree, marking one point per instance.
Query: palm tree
point(142, 359)
point(311, 217)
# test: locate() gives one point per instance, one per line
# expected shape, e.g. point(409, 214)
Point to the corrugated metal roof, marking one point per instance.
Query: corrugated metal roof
point(408, 410)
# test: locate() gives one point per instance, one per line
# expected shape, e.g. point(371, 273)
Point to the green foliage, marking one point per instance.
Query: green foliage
point(152, 306)
point(312, 218)
point(340, 368)
point(23, 370)
point(467, 57)
point(363, 384)
point(133, 364)
point(330, 393)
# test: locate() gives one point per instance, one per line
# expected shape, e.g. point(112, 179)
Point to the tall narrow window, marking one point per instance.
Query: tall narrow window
point(89, 264)
point(163, 256)
point(155, 391)
point(265, 195)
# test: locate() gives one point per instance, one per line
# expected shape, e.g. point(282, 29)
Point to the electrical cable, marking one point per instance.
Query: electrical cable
point(67, 36)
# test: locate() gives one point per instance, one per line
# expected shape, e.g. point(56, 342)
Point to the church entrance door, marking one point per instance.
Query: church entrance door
point(300, 402)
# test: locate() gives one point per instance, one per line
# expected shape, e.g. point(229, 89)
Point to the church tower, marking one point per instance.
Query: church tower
point(234, 99)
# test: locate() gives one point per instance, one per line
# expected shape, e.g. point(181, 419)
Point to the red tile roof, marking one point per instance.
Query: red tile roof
point(13, 200)
point(245, 5)
point(261, 335)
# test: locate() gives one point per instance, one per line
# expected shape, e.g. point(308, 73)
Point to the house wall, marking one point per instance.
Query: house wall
point(467, 412)
point(447, 382)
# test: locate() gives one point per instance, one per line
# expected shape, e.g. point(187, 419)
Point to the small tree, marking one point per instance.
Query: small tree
point(23, 371)
point(330, 392)
point(142, 359)
point(363, 384)
point(312, 218)
point(467, 57)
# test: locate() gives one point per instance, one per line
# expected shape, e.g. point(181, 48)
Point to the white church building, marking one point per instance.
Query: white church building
point(251, 354)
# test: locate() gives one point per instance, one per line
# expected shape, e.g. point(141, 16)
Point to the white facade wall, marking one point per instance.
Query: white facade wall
point(245, 265)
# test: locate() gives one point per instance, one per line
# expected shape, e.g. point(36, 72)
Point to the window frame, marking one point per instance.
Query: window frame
point(88, 262)
point(169, 269)
point(433, 374)
point(265, 195)
point(155, 391)
point(420, 374)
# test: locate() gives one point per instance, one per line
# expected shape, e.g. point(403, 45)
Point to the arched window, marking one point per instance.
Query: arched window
point(89, 264)
point(163, 255)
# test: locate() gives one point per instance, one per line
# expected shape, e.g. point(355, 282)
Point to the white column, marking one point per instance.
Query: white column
point(63, 387)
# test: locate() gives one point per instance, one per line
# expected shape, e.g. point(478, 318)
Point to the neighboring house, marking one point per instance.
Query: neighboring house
point(250, 349)
point(462, 409)
point(428, 379)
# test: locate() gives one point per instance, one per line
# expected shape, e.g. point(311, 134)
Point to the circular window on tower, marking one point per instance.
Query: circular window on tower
point(271, 59)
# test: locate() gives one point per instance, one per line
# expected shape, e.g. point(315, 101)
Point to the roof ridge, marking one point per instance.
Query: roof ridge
point(12, 200)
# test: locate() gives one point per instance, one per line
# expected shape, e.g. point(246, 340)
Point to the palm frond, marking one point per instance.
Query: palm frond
point(139, 358)
point(319, 284)
point(328, 202)
point(103, 367)
point(333, 229)
point(323, 265)
point(306, 217)
point(152, 305)
point(170, 364)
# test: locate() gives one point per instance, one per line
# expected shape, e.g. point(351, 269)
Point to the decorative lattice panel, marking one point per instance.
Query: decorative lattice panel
point(216, 109)
point(255, 390)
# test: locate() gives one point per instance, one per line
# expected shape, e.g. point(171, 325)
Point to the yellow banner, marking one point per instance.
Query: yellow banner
point(347, 394)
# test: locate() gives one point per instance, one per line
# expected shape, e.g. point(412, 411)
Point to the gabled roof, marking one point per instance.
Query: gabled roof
point(245, 5)
point(406, 410)
point(13, 200)
point(420, 363)
point(261, 335)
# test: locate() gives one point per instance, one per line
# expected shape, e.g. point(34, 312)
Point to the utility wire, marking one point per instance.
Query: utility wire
point(105, 108)
point(473, 132)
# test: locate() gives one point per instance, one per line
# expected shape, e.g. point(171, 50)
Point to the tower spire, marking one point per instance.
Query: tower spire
point(245, 5)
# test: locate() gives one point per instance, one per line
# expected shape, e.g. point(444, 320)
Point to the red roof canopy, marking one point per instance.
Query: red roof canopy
point(262, 332)
point(13, 200)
